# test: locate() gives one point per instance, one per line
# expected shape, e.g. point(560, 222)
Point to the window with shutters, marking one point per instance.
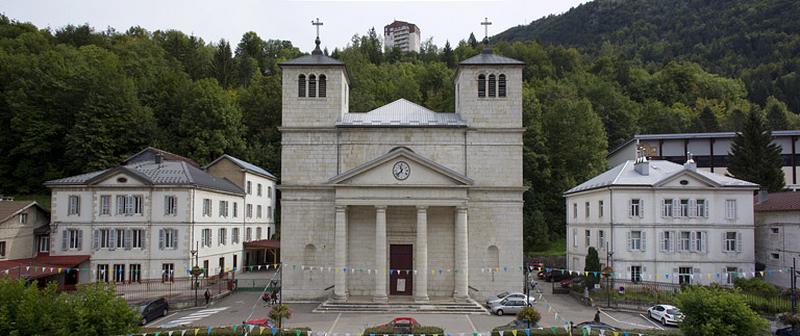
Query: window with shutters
point(699, 241)
point(169, 239)
point(685, 240)
point(105, 238)
point(684, 208)
point(636, 273)
point(730, 209)
point(636, 208)
point(137, 238)
point(684, 275)
point(74, 238)
point(129, 205)
point(601, 239)
point(23, 218)
point(258, 233)
point(136, 272)
point(249, 211)
point(235, 209)
point(312, 86)
point(702, 208)
point(248, 234)
point(44, 244)
point(501, 85)
point(207, 207)
point(170, 205)
point(102, 272)
point(105, 205)
point(205, 236)
point(258, 211)
point(120, 241)
point(258, 189)
point(730, 274)
point(588, 238)
point(301, 86)
point(600, 209)
point(223, 208)
point(249, 187)
point(586, 209)
point(323, 86)
point(635, 241)
point(222, 237)
point(729, 242)
point(119, 273)
point(167, 272)
point(235, 236)
point(481, 85)
point(492, 85)
point(666, 241)
point(74, 205)
point(666, 208)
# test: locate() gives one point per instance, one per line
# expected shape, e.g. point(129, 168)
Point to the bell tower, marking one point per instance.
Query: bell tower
point(489, 89)
point(316, 89)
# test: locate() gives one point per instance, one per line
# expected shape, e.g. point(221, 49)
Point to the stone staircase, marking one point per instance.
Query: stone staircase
point(401, 306)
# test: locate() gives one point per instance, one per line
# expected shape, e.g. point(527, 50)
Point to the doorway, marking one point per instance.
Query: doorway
point(401, 260)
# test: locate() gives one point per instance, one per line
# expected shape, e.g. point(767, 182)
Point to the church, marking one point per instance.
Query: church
point(401, 202)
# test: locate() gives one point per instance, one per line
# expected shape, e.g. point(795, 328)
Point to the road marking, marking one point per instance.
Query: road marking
point(188, 319)
point(336, 321)
point(624, 322)
point(651, 322)
point(165, 317)
point(470, 322)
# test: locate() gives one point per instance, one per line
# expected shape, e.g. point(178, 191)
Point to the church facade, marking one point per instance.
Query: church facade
point(401, 200)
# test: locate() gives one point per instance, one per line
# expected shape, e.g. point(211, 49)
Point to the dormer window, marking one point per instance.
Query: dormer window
point(301, 86)
point(501, 85)
point(312, 86)
point(481, 86)
point(323, 83)
point(492, 85)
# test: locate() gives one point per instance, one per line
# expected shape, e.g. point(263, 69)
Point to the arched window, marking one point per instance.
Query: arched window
point(493, 257)
point(481, 86)
point(301, 86)
point(492, 86)
point(310, 255)
point(323, 83)
point(312, 86)
point(501, 85)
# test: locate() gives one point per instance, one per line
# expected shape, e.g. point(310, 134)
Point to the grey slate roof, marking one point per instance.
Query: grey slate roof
point(686, 136)
point(401, 113)
point(660, 170)
point(313, 60)
point(244, 165)
point(485, 58)
point(165, 173)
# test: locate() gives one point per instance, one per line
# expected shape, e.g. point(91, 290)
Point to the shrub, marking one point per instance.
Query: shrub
point(421, 330)
point(227, 331)
point(529, 316)
point(757, 286)
point(280, 312)
point(791, 319)
point(717, 311)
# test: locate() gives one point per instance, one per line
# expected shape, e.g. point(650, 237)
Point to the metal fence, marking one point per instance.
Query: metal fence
point(175, 291)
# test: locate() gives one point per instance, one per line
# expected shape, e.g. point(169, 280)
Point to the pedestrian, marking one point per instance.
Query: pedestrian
point(266, 297)
point(597, 316)
point(207, 296)
point(275, 297)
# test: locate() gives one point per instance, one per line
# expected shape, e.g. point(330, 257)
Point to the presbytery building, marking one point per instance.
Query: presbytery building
point(777, 234)
point(147, 218)
point(663, 222)
point(401, 200)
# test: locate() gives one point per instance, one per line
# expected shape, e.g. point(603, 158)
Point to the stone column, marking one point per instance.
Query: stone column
point(340, 235)
point(461, 292)
point(421, 256)
point(380, 254)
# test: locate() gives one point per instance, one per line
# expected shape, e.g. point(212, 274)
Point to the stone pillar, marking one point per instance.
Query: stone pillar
point(461, 292)
point(380, 254)
point(421, 256)
point(340, 235)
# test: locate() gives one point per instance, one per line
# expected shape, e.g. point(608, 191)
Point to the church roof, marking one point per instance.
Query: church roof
point(313, 59)
point(401, 113)
point(660, 171)
point(487, 58)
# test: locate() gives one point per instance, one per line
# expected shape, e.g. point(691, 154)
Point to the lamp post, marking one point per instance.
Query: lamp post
point(608, 271)
point(195, 271)
point(794, 285)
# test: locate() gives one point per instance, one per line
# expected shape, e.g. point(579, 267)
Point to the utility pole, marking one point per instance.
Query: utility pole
point(794, 285)
point(195, 271)
point(608, 271)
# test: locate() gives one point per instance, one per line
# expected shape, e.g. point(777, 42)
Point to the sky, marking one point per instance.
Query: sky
point(451, 20)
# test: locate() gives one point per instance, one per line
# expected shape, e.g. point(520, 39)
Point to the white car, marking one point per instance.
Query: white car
point(511, 296)
point(665, 314)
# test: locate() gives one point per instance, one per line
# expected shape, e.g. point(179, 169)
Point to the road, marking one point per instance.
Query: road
point(240, 306)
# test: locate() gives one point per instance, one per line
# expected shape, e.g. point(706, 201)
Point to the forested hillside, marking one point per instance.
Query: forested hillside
point(757, 41)
point(74, 100)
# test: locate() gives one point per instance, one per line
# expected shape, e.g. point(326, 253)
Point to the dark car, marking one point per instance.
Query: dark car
point(153, 310)
point(555, 275)
point(788, 331)
point(566, 283)
point(594, 326)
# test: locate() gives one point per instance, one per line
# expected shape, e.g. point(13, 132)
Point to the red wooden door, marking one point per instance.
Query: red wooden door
point(401, 263)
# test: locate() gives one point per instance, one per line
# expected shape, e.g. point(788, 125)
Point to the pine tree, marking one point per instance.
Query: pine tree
point(448, 56)
point(222, 65)
point(592, 266)
point(777, 114)
point(473, 42)
point(707, 121)
point(754, 157)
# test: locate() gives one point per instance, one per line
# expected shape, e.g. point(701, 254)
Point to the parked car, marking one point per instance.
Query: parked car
point(594, 326)
point(665, 314)
point(555, 275)
point(402, 325)
point(535, 264)
point(259, 323)
point(506, 295)
point(153, 310)
point(788, 331)
point(511, 306)
point(566, 283)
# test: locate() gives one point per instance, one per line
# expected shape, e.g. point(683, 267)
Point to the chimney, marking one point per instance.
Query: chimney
point(690, 164)
point(763, 195)
point(159, 158)
point(641, 165)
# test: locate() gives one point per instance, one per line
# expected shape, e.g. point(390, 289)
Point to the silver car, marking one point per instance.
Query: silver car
point(510, 306)
point(506, 295)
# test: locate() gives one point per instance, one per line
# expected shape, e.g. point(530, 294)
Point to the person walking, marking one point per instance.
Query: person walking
point(597, 316)
point(207, 296)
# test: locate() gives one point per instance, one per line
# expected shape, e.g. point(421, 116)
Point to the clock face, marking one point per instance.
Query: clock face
point(401, 170)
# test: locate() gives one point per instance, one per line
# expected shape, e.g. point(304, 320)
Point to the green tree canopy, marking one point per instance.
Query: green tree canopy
point(717, 311)
point(754, 157)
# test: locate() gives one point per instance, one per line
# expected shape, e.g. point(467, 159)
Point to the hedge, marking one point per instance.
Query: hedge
point(224, 331)
point(387, 330)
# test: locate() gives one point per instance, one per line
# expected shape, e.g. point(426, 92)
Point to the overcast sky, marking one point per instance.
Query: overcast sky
point(288, 19)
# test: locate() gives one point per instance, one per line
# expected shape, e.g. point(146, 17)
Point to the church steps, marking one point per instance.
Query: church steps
point(470, 307)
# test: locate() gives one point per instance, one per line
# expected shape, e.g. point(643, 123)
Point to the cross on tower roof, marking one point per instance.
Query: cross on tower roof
point(486, 25)
point(317, 51)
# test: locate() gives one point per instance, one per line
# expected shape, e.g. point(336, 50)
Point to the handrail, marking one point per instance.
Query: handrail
point(329, 288)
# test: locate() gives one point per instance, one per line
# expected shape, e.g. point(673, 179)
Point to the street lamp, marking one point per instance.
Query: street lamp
point(195, 271)
point(608, 270)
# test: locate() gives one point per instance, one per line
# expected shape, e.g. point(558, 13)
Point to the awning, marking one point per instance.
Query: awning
point(263, 244)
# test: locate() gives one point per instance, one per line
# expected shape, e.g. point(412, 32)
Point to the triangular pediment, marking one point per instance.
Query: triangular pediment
point(120, 176)
point(401, 166)
point(687, 178)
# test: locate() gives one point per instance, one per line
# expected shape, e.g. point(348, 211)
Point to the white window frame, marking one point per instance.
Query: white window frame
point(206, 237)
point(248, 234)
point(235, 236)
point(702, 208)
point(666, 207)
point(258, 189)
point(666, 241)
point(23, 218)
point(249, 187)
point(105, 205)
point(74, 205)
point(43, 244)
point(730, 245)
point(730, 209)
point(235, 209)
point(574, 210)
point(249, 210)
point(683, 208)
point(635, 208)
point(258, 233)
point(221, 236)
point(636, 273)
point(587, 207)
point(137, 238)
point(104, 240)
point(685, 277)
point(223, 208)
point(636, 243)
point(120, 242)
point(574, 237)
point(207, 207)
point(684, 241)
point(600, 208)
point(170, 205)
point(587, 237)
point(170, 239)
point(731, 274)
point(258, 211)
point(74, 239)
point(601, 239)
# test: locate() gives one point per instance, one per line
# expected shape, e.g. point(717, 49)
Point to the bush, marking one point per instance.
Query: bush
point(387, 330)
point(529, 315)
point(757, 286)
point(712, 311)
point(791, 319)
point(228, 331)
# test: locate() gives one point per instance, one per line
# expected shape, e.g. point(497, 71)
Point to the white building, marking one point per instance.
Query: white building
point(663, 222)
point(403, 35)
point(141, 220)
point(778, 234)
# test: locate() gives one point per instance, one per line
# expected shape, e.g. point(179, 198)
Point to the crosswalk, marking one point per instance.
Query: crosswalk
point(188, 319)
